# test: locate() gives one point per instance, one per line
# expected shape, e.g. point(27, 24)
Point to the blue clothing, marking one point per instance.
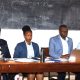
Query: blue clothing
point(4, 48)
point(61, 75)
point(21, 50)
point(56, 48)
point(6, 54)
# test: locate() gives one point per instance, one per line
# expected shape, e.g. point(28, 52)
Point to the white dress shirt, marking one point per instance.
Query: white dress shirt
point(65, 45)
point(30, 50)
point(78, 46)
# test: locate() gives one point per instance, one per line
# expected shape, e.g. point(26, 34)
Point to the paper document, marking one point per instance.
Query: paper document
point(55, 60)
point(25, 60)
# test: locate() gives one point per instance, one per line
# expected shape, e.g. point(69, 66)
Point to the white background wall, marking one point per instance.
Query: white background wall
point(14, 36)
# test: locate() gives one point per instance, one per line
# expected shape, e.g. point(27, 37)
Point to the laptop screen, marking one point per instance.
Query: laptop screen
point(75, 54)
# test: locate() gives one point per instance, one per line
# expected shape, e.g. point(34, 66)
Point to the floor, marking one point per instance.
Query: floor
point(72, 77)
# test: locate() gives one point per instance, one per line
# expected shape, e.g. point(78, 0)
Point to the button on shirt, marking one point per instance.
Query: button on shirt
point(65, 45)
point(30, 50)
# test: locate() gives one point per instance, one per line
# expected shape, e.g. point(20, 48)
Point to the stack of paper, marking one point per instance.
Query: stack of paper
point(25, 60)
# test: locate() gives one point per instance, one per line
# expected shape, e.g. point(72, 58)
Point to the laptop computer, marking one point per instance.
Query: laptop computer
point(75, 55)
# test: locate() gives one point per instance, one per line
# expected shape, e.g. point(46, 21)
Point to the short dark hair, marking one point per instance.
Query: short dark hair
point(63, 25)
point(26, 28)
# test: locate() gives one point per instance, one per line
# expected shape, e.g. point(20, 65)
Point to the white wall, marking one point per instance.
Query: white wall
point(14, 36)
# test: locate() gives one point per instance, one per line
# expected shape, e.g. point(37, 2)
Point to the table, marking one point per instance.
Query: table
point(16, 67)
point(28, 67)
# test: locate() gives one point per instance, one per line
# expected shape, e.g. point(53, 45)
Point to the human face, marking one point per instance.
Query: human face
point(28, 36)
point(63, 32)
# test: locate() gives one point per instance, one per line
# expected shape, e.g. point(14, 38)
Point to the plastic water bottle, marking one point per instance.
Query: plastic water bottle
point(42, 56)
point(0, 50)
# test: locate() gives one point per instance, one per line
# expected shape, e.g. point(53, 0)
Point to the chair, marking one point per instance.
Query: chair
point(46, 54)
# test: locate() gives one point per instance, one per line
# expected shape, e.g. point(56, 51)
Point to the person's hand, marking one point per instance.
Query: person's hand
point(65, 56)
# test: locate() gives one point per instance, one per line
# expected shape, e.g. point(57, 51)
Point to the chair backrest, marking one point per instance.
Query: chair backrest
point(45, 51)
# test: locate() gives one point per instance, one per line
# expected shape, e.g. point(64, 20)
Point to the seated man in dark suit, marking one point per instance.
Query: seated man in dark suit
point(5, 52)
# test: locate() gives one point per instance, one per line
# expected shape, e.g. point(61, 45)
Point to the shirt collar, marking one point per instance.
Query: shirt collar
point(27, 43)
point(63, 39)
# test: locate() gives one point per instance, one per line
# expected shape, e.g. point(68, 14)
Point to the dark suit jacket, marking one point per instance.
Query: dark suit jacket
point(21, 50)
point(4, 48)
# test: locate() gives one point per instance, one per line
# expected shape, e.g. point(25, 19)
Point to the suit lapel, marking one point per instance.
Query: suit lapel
point(59, 40)
point(25, 48)
point(68, 45)
point(60, 43)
